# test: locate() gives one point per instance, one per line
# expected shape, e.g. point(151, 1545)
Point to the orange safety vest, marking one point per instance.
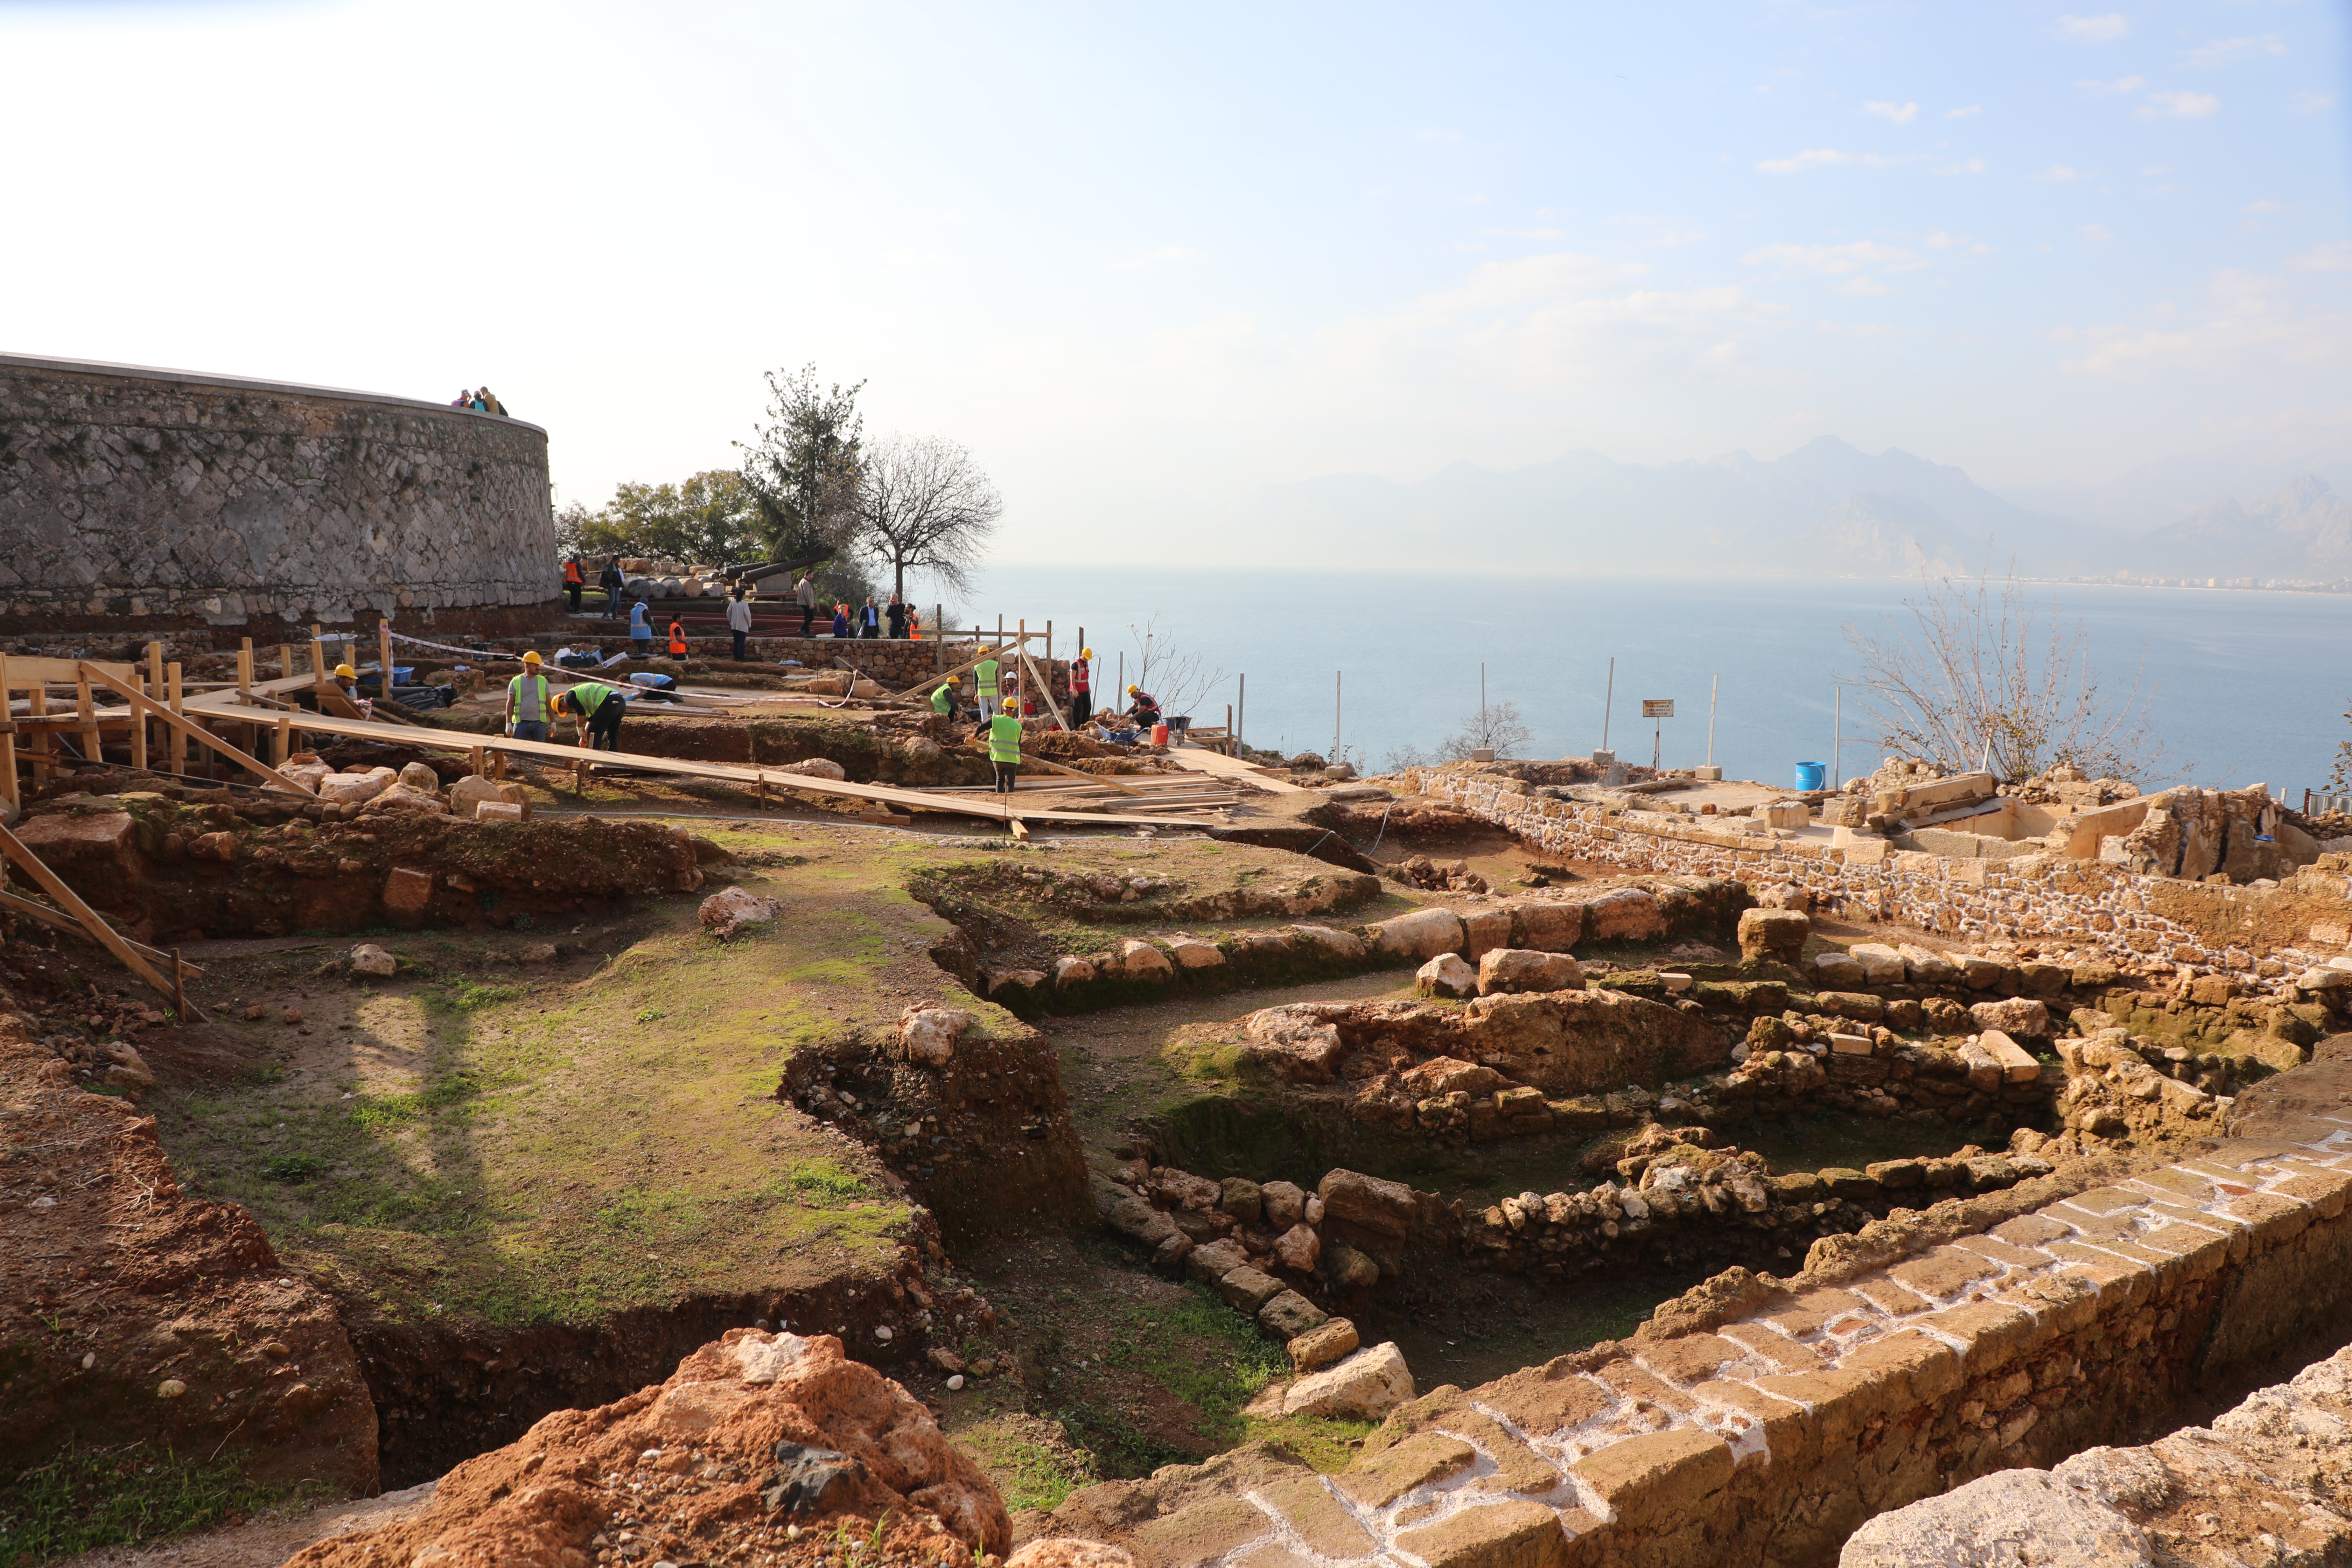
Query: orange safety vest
point(571, 573)
point(678, 639)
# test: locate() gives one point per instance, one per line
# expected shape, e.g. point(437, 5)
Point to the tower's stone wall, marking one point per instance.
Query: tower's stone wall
point(133, 497)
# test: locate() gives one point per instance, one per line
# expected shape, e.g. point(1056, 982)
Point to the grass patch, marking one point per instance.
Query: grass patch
point(1204, 1354)
point(470, 995)
point(1326, 1444)
point(87, 1498)
point(825, 1179)
point(1028, 1473)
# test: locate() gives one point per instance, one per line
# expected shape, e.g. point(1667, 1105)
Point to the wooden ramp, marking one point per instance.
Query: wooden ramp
point(225, 707)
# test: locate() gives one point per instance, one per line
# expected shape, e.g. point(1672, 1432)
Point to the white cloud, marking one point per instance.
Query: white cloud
point(2264, 206)
point(2335, 258)
point(2224, 51)
point(2096, 231)
point(1524, 233)
point(2155, 171)
point(2181, 106)
point(2058, 174)
point(2250, 326)
point(1973, 166)
point(1962, 113)
point(2103, 29)
point(1901, 114)
point(1437, 135)
point(2310, 102)
point(1822, 158)
point(2121, 84)
point(1837, 260)
point(1863, 286)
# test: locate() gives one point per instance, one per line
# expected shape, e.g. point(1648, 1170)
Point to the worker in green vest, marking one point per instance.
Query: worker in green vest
point(1004, 750)
point(943, 700)
point(599, 710)
point(984, 686)
point(527, 706)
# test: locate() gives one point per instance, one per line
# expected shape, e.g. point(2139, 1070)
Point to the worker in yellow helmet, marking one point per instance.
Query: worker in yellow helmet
point(1143, 708)
point(527, 710)
point(1082, 690)
point(347, 681)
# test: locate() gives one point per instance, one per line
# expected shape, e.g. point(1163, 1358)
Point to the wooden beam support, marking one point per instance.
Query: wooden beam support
point(7, 740)
point(91, 921)
point(63, 921)
point(175, 698)
point(197, 732)
point(1044, 690)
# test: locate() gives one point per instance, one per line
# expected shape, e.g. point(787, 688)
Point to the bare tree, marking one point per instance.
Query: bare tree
point(1497, 725)
point(923, 503)
point(1170, 674)
point(1985, 676)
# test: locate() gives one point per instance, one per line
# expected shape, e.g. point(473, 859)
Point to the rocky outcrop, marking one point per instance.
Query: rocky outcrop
point(754, 1439)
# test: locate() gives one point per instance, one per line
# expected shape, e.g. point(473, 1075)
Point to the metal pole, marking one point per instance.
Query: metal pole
point(1482, 702)
point(1335, 710)
point(1606, 702)
point(1713, 692)
point(1837, 737)
point(1241, 712)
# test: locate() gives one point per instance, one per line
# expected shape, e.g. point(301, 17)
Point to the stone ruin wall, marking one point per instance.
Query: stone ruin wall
point(134, 499)
point(2259, 937)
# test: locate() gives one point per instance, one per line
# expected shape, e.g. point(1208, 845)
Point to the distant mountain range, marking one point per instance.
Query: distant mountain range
point(1826, 508)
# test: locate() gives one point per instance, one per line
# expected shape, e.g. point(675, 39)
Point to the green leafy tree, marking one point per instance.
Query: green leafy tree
point(803, 469)
point(711, 518)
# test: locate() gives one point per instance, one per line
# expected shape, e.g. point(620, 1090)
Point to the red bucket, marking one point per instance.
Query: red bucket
point(1159, 734)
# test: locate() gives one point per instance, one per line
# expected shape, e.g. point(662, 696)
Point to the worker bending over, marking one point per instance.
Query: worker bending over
point(527, 706)
point(943, 700)
point(599, 710)
point(347, 681)
point(1143, 708)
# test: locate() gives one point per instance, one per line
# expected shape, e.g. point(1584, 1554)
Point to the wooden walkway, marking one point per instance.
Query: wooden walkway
point(225, 707)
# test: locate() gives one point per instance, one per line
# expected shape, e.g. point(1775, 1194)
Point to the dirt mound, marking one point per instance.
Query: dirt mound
point(753, 1441)
point(128, 1313)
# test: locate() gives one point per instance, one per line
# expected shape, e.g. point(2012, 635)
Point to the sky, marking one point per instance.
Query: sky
point(1143, 261)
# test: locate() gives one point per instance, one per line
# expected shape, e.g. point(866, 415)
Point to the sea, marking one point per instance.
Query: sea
point(2241, 687)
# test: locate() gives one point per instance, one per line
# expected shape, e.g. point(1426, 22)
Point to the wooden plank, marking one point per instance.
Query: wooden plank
point(175, 694)
point(91, 922)
point(500, 748)
point(1044, 689)
point(41, 911)
point(24, 670)
point(958, 673)
point(197, 732)
point(1100, 779)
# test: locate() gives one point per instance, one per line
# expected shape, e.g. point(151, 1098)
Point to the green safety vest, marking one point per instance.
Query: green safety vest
point(588, 697)
point(530, 703)
point(1004, 739)
point(986, 677)
point(943, 700)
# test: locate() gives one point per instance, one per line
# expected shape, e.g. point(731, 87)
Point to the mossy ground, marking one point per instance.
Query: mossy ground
point(88, 1498)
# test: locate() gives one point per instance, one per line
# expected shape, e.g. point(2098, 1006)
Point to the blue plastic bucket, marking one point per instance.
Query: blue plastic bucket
point(1810, 776)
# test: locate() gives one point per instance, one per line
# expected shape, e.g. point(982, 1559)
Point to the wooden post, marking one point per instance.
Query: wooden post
point(139, 728)
point(7, 738)
point(383, 655)
point(285, 661)
point(176, 701)
point(317, 659)
point(285, 743)
point(245, 669)
point(44, 762)
point(91, 745)
point(498, 765)
point(179, 989)
point(480, 764)
point(154, 685)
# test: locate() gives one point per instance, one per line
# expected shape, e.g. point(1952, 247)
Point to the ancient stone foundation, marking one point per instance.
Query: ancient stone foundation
point(133, 497)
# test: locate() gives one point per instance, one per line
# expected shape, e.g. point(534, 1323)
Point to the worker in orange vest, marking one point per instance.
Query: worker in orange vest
point(677, 637)
point(574, 581)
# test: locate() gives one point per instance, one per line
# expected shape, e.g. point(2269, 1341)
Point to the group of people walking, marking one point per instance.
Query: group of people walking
point(481, 401)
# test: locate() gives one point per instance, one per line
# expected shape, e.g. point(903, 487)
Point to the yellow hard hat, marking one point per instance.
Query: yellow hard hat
point(533, 658)
point(1085, 653)
point(1133, 690)
point(345, 672)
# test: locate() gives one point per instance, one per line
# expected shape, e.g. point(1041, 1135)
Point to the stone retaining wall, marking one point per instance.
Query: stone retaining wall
point(2135, 917)
point(1766, 1427)
point(133, 497)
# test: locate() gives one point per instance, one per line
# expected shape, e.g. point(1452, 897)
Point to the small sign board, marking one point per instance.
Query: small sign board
point(1657, 707)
